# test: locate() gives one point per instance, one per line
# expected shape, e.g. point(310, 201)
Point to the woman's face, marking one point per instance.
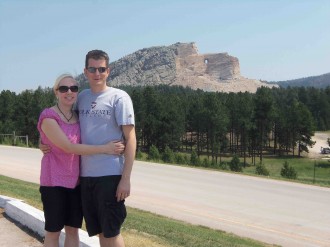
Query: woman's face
point(67, 91)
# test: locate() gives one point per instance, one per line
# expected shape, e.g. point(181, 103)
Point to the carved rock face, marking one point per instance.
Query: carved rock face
point(219, 66)
point(180, 64)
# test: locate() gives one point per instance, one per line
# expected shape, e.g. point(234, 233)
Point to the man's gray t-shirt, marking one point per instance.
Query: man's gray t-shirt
point(101, 116)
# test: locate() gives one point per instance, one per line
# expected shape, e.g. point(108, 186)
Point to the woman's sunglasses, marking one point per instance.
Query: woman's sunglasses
point(64, 89)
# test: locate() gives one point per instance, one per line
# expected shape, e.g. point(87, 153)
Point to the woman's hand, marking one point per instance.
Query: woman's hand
point(115, 147)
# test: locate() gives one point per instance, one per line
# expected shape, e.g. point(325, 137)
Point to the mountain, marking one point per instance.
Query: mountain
point(321, 81)
point(181, 64)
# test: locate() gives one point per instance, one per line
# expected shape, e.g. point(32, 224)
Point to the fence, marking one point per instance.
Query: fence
point(15, 138)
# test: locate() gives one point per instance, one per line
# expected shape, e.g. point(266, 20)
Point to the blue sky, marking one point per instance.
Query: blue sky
point(273, 39)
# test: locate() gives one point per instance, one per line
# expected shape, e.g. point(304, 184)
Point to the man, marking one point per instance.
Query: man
point(105, 114)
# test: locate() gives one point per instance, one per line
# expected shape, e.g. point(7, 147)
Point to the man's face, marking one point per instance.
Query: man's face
point(96, 77)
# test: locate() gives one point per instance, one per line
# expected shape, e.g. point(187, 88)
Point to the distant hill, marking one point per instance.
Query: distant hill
point(180, 64)
point(321, 81)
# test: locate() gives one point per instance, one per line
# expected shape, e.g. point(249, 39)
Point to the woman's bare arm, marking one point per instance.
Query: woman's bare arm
point(55, 134)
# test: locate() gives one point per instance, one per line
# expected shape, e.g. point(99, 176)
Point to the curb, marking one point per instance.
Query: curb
point(33, 219)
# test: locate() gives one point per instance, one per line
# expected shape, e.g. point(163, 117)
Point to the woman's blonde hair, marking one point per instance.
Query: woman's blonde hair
point(60, 78)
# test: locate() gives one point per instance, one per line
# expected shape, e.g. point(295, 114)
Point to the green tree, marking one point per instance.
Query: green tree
point(216, 122)
point(152, 112)
point(153, 153)
point(241, 107)
point(235, 164)
point(288, 171)
point(168, 155)
point(262, 170)
point(263, 117)
point(8, 101)
point(194, 159)
point(318, 103)
point(300, 127)
point(305, 129)
point(140, 118)
point(171, 123)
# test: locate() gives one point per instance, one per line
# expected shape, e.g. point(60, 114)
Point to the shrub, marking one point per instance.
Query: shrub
point(223, 166)
point(186, 159)
point(235, 164)
point(214, 164)
point(262, 170)
point(194, 159)
point(206, 162)
point(153, 153)
point(7, 141)
point(139, 154)
point(180, 158)
point(168, 155)
point(288, 171)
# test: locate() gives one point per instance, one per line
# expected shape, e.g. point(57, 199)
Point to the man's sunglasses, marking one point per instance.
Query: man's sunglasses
point(93, 69)
point(64, 89)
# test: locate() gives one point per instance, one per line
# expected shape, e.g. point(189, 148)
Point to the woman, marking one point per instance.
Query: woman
point(59, 179)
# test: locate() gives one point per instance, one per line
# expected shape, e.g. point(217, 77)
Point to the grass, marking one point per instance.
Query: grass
point(309, 171)
point(142, 228)
point(29, 192)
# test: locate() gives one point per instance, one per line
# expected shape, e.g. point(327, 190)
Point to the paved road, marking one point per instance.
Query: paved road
point(283, 213)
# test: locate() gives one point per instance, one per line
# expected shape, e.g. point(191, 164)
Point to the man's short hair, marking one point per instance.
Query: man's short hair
point(97, 55)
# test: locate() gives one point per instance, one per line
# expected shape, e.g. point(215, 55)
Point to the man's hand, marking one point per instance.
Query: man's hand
point(123, 189)
point(45, 149)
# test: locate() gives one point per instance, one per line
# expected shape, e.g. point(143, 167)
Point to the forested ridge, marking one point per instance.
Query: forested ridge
point(277, 121)
point(320, 81)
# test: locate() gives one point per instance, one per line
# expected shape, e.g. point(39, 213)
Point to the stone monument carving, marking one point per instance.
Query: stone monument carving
point(181, 64)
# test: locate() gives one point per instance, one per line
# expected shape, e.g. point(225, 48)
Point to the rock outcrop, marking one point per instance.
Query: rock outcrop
point(181, 64)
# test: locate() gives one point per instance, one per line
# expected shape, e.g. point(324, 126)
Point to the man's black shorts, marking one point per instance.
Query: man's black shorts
point(62, 207)
point(102, 212)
